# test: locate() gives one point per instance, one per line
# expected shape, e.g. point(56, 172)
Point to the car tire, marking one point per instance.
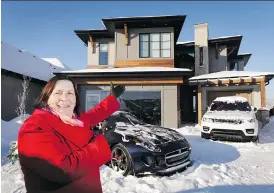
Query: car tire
point(119, 153)
point(255, 139)
point(205, 136)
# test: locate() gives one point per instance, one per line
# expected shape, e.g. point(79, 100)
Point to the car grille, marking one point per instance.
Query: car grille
point(231, 121)
point(226, 133)
point(177, 157)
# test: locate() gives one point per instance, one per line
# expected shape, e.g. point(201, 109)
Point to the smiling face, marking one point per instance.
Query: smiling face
point(62, 98)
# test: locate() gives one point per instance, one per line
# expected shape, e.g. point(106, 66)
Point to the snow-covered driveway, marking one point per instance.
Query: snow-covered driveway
point(218, 167)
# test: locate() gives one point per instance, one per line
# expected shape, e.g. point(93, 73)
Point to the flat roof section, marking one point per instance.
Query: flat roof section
point(232, 42)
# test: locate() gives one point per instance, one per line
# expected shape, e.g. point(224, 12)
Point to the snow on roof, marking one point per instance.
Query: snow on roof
point(131, 69)
point(231, 99)
point(56, 62)
point(186, 42)
point(231, 74)
point(26, 63)
point(224, 37)
point(141, 17)
point(242, 54)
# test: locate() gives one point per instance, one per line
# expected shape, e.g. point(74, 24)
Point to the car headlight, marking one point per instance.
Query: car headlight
point(251, 121)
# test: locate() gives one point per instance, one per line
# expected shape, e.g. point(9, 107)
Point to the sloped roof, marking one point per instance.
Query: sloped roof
point(110, 24)
point(56, 62)
point(25, 63)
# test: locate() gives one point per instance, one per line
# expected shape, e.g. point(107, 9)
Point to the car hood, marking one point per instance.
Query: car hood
point(152, 134)
point(246, 115)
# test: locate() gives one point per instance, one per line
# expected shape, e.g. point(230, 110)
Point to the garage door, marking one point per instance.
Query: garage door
point(211, 95)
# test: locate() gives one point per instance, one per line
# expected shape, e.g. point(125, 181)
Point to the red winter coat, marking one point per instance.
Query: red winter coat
point(59, 158)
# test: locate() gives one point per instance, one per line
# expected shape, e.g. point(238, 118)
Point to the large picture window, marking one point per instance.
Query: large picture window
point(103, 54)
point(145, 105)
point(155, 45)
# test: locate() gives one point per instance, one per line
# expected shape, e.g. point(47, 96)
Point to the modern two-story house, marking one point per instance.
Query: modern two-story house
point(163, 77)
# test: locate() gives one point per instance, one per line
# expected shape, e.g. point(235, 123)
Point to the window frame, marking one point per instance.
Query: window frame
point(148, 34)
point(149, 42)
point(100, 53)
point(201, 56)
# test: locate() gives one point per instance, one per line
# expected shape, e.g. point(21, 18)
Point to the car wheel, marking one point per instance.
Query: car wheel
point(121, 160)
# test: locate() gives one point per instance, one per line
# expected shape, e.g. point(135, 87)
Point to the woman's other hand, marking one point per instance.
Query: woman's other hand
point(117, 91)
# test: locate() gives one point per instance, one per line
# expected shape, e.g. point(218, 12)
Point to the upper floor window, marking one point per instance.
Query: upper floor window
point(201, 53)
point(155, 45)
point(103, 55)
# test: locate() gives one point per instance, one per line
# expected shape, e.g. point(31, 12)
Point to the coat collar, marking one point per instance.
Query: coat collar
point(79, 136)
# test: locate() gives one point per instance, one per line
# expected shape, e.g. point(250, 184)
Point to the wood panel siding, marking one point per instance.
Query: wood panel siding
point(262, 88)
point(229, 81)
point(126, 34)
point(92, 44)
point(129, 81)
point(145, 63)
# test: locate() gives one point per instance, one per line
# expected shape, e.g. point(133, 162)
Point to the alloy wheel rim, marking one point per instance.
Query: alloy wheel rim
point(118, 160)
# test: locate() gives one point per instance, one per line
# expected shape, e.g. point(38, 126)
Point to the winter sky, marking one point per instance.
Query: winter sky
point(47, 28)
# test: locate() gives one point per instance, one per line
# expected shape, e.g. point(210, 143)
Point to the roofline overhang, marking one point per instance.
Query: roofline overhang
point(228, 80)
point(212, 40)
point(126, 74)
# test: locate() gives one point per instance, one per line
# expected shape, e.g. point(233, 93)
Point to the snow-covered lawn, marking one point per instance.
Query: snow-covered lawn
point(218, 167)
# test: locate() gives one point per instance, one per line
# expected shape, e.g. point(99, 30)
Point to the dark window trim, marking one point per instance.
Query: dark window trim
point(148, 45)
point(149, 53)
point(201, 56)
point(100, 52)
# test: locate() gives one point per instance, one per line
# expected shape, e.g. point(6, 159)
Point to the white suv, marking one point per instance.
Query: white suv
point(230, 118)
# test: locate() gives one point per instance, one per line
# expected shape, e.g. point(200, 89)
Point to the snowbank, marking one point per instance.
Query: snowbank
point(9, 133)
point(221, 167)
point(267, 132)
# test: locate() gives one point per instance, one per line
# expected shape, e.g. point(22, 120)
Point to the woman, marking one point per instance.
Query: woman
point(58, 151)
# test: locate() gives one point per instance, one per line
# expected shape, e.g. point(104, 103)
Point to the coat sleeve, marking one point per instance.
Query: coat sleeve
point(42, 152)
point(101, 111)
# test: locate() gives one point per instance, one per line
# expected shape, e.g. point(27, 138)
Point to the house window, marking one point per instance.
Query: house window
point(93, 97)
point(165, 45)
point(146, 105)
point(144, 46)
point(201, 56)
point(103, 55)
point(155, 45)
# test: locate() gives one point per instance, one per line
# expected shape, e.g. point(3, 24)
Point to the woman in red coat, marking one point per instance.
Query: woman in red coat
point(58, 151)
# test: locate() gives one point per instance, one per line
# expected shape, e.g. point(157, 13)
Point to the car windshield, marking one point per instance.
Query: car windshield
point(128, 119)
point(134, 119)
point(223, 106)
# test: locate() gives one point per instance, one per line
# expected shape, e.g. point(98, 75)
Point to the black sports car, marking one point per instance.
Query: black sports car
point(139, 148)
